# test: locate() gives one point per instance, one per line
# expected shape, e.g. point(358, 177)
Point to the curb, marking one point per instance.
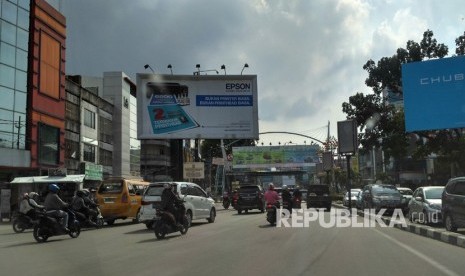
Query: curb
point(443, 235)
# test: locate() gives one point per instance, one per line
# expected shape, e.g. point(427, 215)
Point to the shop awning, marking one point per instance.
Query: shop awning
point(77, 178)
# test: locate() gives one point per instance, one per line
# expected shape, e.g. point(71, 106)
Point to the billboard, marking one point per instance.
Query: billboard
point(197, 107)
point(275, 157)
point(434, 94)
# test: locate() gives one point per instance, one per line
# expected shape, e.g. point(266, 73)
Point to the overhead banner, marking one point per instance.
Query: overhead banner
point(434, 94)
point(197, 107)
point(275, 156)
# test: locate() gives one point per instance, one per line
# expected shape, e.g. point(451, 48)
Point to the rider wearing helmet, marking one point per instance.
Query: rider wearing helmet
point(271, 196)
point(28, 205)
point(287, 198)
point(168, 203)
point(54, 205)
point(82, 209)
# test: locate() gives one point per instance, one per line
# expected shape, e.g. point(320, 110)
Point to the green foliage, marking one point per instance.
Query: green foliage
point(382, 125)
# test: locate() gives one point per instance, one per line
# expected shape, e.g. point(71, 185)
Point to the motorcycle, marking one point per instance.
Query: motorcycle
point(22, 222)
point(226, 201)
point(49, 226)
point(271, 211)
point(163, 223)
point(94, 221)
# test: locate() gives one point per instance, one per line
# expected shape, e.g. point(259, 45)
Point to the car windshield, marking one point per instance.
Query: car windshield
point(385, 190)
point(111, 187)
point(405, 192)
point(434, 193)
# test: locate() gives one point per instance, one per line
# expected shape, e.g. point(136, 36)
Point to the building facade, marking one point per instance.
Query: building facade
point(32, 88)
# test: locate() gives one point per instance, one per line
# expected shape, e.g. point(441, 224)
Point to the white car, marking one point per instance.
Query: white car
point(353, 198)
point(199, 205)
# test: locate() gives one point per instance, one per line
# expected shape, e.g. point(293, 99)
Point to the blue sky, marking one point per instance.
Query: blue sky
point(307, 55)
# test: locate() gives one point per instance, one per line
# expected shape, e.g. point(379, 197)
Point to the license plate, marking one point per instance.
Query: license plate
point(109, 200)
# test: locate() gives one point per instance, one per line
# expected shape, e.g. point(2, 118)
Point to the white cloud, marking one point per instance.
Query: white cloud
point(308, 55)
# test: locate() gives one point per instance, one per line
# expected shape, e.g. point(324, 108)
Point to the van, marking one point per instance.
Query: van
point(453, 204)
point(120, 198)
point(198, 203)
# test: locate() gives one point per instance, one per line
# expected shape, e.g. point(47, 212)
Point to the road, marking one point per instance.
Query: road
point(233, 245)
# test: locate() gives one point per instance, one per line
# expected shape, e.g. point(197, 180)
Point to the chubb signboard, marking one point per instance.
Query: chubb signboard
point(434, 94)
point(197, 107)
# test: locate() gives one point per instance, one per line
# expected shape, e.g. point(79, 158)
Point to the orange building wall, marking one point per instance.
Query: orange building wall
point(46, 90)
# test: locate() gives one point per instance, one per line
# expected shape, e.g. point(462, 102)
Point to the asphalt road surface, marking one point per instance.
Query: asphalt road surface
point(232, 245)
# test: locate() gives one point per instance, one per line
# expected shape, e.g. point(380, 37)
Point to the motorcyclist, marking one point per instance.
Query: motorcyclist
point(296, 197)
point(287, 198)
point(168, 204)
point(271, 196)
point(79, 204)
point(55, 205)
point(28, 205)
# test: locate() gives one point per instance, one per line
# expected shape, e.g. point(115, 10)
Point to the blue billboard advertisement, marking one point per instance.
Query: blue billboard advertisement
point(434, 94)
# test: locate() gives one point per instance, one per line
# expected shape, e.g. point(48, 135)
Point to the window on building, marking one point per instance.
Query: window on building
point(72, 149)
point(105, 130)
point(89, 118)
point(89, 153)
point(105, 157)
point(50, 58)
point(49, 144)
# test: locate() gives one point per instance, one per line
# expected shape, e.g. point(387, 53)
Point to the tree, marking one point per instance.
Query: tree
point(381, 124)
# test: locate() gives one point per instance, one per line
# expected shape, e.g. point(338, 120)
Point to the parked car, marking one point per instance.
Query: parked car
point(199, 205)
point(406, 197)
point(381, 196)
point(250, 197)
point(353, 197)
point(425, 205)
point(453, 204)
point(318, 196)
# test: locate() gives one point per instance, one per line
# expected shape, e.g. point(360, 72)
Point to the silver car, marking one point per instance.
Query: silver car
point(199, 205)
point(425, 205)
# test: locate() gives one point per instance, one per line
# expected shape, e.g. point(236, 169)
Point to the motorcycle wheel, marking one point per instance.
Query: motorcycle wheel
point(18, 227)
point(99, 222)
point(226, 205)
point(75, 230)
point(185, 225)
point(159, 230)
point(39, 234)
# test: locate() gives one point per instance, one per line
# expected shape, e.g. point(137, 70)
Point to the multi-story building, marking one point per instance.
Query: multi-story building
point(32, 88)
point(118, 89)
point(89, 133)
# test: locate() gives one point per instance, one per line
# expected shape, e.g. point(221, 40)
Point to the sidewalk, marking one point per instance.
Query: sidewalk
point(439, 234)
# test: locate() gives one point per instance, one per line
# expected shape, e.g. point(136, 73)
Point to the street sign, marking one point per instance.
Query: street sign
point(194, 170)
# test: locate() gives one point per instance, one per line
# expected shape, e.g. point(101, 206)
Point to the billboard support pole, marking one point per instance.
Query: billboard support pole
point(223, 152)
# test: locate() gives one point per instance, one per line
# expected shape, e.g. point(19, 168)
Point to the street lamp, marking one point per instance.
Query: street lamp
point(245, 66)
point(148, 66)
point(223, 67)
point(170, 67)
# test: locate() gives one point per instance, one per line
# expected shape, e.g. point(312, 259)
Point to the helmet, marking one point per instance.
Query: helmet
point(25, 195)
point(85, 192)
point(53, 188)
point(271, 186)
point(80, 193)
point(33, 194)
point(167, 185)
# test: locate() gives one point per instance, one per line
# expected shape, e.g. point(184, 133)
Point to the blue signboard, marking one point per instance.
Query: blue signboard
point(434, 94)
